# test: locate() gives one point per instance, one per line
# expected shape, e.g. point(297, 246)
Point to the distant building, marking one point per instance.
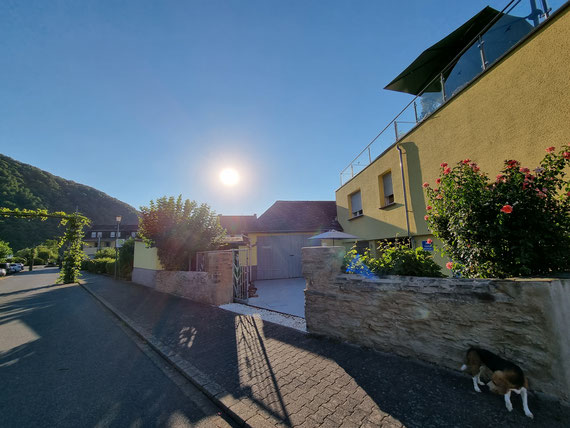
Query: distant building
point(105, 236)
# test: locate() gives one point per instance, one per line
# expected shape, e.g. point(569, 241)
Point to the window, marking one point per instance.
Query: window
point(93, 234)
point(356, 204)
point(118, 234)
point(386, 189)
point(99, 234)
point(112, 234)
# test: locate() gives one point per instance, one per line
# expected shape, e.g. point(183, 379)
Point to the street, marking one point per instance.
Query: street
point(65, 361)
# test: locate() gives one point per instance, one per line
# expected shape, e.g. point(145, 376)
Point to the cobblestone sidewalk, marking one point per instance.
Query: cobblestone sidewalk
point(269, 375)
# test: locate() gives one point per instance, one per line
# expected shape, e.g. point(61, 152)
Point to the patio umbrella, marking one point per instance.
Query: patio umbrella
point(430, 63)
point(334, 234)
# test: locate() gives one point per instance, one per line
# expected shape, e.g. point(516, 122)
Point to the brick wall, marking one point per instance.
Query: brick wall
point(436, 320)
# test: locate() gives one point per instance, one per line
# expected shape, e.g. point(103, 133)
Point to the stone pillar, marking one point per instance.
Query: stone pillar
point(321, 264)
point(220, 267)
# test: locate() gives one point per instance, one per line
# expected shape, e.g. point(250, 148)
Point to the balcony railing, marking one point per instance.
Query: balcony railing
point(498, 37)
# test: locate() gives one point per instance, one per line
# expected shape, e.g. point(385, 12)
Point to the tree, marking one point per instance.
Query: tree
point(71, 240)
point(515, 225)
point(5, 250)
point(127, 258)
point(179, 229)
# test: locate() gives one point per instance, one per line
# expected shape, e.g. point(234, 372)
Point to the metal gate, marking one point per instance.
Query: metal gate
point(241, 274)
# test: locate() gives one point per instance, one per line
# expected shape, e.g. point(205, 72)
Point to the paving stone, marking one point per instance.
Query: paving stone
point(270, 370)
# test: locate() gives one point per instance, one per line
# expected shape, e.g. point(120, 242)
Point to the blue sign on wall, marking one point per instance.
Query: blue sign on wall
point(426, 246)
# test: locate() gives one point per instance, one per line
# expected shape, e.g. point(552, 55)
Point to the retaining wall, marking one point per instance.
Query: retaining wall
point(438, 319)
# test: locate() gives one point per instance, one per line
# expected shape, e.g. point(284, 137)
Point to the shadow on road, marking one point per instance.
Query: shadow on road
point(64, 362)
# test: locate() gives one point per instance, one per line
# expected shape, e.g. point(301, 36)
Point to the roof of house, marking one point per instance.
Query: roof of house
point(298, 216)
point(237, 224)
point(112, 227)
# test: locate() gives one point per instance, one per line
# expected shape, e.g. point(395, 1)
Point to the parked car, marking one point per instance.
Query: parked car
point(15, 267)
point(21, 266)
point(6, 268)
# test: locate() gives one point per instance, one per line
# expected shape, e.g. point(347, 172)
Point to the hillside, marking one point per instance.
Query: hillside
point(25, 186)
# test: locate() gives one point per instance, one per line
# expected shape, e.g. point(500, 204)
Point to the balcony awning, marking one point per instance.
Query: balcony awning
point(430, 63)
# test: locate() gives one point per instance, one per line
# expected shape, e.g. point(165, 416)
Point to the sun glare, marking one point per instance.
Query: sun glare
point(229, 177)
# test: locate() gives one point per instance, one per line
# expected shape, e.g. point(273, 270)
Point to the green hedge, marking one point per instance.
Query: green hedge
point(105, 265)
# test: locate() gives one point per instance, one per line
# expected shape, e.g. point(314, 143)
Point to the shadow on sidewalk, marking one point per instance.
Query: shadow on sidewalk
point(282, 369)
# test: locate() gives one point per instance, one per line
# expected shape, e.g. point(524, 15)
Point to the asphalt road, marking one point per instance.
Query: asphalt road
point(65, 361)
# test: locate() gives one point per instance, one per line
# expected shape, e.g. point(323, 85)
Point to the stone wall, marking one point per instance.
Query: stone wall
point(438, 319)
point(214, 287)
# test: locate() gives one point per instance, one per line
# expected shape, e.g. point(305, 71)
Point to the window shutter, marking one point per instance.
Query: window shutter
point(356, 204)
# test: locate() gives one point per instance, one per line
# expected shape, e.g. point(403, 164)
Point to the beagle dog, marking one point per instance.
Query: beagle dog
point(506, 377)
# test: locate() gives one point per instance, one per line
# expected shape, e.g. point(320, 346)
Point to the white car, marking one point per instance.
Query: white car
point(15, 267)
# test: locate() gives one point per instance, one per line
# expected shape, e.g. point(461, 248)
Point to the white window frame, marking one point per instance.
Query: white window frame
point(93, 234)
point(112, 234)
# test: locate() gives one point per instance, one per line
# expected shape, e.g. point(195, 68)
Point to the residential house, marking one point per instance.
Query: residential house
point(278, 235)
point(497, 88)
point(106, 236)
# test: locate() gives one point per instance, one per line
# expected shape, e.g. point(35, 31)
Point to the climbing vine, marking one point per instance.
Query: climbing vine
point(71, 240)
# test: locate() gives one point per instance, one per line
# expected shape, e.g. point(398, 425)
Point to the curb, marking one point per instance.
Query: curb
point(210, 388)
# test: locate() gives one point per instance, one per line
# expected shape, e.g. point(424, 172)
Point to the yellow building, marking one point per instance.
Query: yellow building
point(505, 98)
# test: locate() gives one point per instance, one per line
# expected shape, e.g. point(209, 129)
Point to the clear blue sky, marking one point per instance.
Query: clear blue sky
point(141, 99)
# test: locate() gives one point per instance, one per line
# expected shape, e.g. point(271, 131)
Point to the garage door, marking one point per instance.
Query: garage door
point(280, 256)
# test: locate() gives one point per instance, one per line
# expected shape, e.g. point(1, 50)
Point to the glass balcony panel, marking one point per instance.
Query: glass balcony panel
point(385, 140)
point(465, 70)
point(427, 103)
point(509, 30)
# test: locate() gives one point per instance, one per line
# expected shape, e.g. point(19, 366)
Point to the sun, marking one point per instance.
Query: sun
point(229, 177)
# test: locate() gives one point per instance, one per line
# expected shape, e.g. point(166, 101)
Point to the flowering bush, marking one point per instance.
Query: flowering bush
point(515, 225)
point(395, 258)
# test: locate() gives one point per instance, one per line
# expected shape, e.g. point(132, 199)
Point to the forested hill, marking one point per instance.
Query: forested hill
point(25, 186)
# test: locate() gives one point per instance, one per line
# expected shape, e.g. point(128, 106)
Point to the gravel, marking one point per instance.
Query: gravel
point(290, 321)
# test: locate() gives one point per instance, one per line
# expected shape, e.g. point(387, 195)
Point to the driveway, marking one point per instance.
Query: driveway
point(283, 295)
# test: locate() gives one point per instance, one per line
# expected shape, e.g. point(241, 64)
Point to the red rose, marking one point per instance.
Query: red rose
point(449, 265)
point(524, 170)
point(566, 155)
point(429, 241)
point(429, 207)
point(443, 165)
point(426, 217)
point(507, 209)
point(426, 184)
point(447, 170)
point(550, 149)
point(466, 161)
point(438, 181)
